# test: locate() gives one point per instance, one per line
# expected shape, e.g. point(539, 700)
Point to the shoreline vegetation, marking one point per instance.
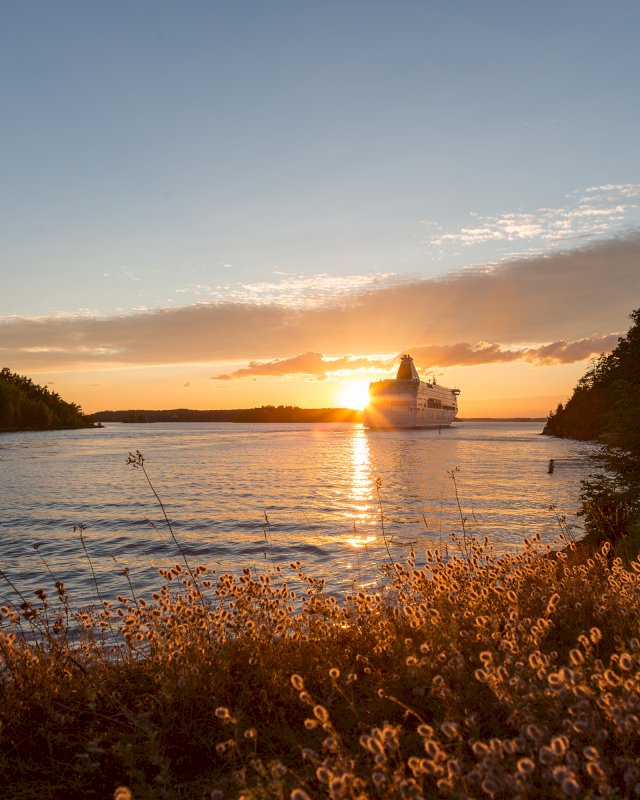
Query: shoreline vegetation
point(462, 674)
point(25, 406)
point(605, 408)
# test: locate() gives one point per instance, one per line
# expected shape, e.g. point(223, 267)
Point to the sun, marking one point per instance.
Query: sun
point(354, 394)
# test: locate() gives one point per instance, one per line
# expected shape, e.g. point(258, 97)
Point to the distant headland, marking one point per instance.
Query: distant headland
point(25, 406)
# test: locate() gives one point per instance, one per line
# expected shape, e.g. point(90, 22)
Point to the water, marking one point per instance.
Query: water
point(315, 485)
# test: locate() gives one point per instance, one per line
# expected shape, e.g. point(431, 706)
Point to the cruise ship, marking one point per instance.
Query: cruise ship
point(408, 402)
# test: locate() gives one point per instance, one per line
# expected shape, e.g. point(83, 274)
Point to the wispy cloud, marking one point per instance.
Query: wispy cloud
point(563, 298)
point(294, 290)
point(595, 211)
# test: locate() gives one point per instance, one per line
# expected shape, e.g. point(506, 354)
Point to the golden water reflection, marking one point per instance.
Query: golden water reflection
point(360, 541)
point(361, 508)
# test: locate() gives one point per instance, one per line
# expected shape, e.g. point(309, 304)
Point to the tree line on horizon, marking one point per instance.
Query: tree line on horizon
point(261, 414)
point(26, 406)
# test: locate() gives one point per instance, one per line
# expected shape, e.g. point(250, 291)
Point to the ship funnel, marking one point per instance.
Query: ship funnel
point(407, 370)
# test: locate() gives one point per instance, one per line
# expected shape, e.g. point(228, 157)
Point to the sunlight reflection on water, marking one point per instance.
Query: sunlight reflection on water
point(316, 485)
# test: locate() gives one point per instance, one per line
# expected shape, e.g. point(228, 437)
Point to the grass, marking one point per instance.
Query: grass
point(475, 675)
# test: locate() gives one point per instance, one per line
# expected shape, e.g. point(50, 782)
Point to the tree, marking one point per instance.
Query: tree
point(605, 406)
point(26, 406)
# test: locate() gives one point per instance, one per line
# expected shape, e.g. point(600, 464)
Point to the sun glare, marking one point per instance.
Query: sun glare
point(355, 394)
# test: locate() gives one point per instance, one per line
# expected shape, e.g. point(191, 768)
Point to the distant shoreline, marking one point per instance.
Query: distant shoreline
point(270, 414)
point(55, 428)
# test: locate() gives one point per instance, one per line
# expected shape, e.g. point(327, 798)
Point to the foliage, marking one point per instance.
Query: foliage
point(605, 406)
point(473, 676)
point(26, 406)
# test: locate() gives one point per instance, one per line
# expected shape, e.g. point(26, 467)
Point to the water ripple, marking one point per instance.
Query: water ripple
point(315, 484)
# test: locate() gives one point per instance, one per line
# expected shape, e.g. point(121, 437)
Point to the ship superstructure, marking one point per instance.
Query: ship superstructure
point(408, 402)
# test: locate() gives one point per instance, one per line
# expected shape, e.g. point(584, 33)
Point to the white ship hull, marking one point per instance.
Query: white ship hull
point(408, 402)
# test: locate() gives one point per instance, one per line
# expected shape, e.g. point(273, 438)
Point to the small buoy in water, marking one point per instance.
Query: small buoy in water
point(551, 466)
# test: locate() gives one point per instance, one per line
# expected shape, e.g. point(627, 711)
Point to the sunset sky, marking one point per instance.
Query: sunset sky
point(232, 204)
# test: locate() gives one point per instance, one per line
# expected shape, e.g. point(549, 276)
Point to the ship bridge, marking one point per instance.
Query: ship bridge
point(407, 370)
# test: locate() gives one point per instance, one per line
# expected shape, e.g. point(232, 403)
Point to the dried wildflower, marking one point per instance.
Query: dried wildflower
point(320, 713)
point(611, 678)
point(534, 732)
point(451, 730)
point(553, 602)
point(570, 787)
point(299, 794)
point(576, 657)
point(297, 682)
point(546, 756)
point(490, 787)
point(453, 768)
point(626, 662)
point(323, 774)
point(559, 745)
point(378, 779)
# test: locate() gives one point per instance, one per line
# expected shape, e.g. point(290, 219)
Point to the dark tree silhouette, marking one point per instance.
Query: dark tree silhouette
point(25, 406)
point(605, 404)
point(605, 407)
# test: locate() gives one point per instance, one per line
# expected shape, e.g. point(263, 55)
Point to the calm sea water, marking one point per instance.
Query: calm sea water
point(314, 484)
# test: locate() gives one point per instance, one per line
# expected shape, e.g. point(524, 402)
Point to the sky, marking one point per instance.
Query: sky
point(233, 204)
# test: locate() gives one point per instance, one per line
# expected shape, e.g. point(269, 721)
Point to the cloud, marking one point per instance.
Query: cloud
point(428, 356)
point(570, 352)
point(594, 212)
point(310, 364)
point(295, 291)
point(465, 354)
point(560, 297)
